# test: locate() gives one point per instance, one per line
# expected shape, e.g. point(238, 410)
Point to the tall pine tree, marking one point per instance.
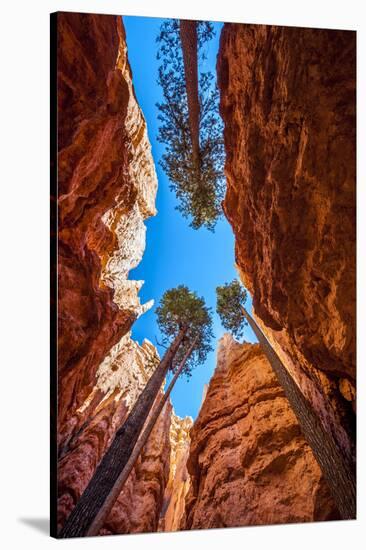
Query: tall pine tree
point(194, 163)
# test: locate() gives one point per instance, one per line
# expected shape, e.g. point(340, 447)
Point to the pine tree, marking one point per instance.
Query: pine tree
point(193, 163)
point(105, 510)
point(231, 298)
point(338, 468)
point(183, 318)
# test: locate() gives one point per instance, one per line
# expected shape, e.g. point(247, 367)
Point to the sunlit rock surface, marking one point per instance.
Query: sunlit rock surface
point(288, 104)
point(178, 484)
point(249, 463)
point(127, 368)
point(107, 187)
point(121, 378)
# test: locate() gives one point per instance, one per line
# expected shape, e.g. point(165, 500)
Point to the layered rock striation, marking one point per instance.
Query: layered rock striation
point(288, 104)
point(249, 463)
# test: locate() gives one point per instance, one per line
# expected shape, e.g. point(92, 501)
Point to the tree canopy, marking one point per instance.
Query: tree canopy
point(231, 297)
point(199, 195)
point(180, 308)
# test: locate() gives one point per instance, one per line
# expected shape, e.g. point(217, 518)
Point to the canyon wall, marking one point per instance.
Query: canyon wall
point(287, 98)
point(173, 508)
point(106, 188)
point(249, 463)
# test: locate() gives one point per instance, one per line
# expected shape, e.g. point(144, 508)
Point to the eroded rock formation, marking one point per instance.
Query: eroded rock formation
point(249, 463)
point(178, 484)
point(288, 104)
point(106, 188)
point(121, 378)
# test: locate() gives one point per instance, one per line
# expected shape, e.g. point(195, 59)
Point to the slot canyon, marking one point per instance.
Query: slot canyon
point(289, 130)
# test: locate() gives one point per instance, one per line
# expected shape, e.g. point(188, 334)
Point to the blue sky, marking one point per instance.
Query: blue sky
point(175, 254)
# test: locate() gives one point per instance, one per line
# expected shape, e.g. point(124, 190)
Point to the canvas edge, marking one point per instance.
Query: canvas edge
point(53, 274)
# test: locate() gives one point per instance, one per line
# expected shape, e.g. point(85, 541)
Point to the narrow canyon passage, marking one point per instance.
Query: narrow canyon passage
point(227, 450)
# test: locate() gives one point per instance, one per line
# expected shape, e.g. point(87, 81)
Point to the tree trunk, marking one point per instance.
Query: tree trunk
point(105, 510)
point(188, 36)
point(119, 451)
point(338, 468)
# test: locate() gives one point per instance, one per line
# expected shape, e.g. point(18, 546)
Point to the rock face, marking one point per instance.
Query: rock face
point(288, 104)
point(138, 507)
point(178, 484)
point(106, 188)
point(249, 463)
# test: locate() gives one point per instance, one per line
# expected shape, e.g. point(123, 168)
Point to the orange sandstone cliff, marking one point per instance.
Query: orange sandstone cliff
point(173, 508)
point(287, 98)
point(106, 188)
point(249, 463)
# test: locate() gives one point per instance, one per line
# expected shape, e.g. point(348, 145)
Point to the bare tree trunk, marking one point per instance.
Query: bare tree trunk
point(119, 451)
point(338, 469)
point(105, 510)
point(188, 36)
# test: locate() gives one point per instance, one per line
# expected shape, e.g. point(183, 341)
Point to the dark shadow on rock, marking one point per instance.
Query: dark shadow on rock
point(40, 524)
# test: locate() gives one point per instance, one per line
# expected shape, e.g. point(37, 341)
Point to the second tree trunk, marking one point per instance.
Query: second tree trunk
point(118, 453)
